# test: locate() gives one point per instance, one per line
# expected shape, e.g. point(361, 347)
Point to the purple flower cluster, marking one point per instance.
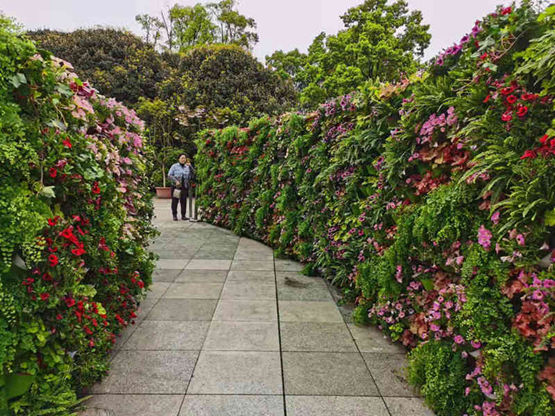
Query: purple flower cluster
point(457, 47)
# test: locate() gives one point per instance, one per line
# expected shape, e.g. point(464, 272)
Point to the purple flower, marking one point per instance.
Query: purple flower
point(484, 237)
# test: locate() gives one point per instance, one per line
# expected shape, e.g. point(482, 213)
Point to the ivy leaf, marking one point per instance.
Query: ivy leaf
point(48, 191)
point(18, 79)
point(428, 284)
point(16, 385)
point(550, 218)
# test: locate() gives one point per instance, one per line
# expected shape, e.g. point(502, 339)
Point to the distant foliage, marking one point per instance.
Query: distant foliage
point(75, 223)
point(380, 41)
point(431, 201)
point(118, 63)
point(185, 27)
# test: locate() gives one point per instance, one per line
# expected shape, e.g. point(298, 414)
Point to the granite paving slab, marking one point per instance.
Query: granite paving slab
point(228, 330)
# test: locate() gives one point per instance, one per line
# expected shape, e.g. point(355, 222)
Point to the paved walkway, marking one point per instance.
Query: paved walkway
point(229, 330)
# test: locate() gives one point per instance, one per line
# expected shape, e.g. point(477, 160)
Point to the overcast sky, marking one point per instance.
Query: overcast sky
point(282, 24)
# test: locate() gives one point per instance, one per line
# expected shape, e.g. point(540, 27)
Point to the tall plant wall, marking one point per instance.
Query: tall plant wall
point(74, 226)
point(431, 202)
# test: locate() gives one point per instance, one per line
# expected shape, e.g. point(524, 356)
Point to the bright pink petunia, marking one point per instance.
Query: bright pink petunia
point(484, 237)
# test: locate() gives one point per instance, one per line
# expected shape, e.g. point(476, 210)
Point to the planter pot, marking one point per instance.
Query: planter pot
point(163, 192)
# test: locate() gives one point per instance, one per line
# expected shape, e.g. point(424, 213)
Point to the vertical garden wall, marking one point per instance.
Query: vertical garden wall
point(431, 202)
point(74, 220)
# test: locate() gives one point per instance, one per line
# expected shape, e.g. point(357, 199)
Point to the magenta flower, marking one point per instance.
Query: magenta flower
point(458, 339)
point(484, 237)
point(520, 239)
point(495, 217)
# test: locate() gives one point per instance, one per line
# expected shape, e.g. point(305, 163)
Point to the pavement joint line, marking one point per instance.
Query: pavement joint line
point(205, 336)
point(365, 364)
point(279, 339)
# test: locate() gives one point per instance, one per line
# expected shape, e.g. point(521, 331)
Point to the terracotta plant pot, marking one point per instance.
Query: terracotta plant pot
point(163, 192)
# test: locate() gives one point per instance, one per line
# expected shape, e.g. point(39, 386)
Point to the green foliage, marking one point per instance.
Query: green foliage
point(379, 41)
point(75, 222)
point(440, 372)
point(117, 62)
point(428, 200)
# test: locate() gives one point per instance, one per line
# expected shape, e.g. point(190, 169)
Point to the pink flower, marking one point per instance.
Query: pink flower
point(537, 295)
point(398, 274)
point(484, 237)
point(458, 339)
point(495, 217)
point(475, 344)
point(520, 239)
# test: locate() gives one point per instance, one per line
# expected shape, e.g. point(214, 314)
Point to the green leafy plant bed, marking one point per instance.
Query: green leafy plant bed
point(75, 223)
point(431, 201)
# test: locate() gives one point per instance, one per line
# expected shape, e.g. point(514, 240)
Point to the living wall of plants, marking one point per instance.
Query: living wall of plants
point(74, 226)
point(431, 202)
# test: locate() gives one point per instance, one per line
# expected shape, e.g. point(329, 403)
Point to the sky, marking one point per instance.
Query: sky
point(282, 24)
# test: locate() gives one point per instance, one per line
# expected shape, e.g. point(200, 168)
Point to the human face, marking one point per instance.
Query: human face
point(182, 159)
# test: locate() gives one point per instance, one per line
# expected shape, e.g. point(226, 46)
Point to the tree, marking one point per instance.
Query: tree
point(189, 26)
point(116, 62)
point(380, 41)
point(233, 26)
point(152, 27)
point(220, 84)
point(192, 26)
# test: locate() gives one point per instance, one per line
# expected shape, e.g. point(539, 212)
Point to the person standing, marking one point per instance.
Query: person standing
point(181, 174)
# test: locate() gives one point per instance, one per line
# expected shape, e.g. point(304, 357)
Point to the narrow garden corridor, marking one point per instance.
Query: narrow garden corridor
point(228, 329)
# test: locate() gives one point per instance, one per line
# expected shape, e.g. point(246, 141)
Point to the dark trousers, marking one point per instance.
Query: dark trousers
point(181, 200)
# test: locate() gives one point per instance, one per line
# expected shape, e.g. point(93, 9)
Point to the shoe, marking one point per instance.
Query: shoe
point(184, 218)
point(175, 218)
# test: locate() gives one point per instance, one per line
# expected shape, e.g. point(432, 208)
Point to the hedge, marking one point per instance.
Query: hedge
point(74, 219)
point(431, 202)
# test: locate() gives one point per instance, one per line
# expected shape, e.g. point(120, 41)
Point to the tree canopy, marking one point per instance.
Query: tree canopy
point(116, 62)
point(380, 40)
point(189, 26)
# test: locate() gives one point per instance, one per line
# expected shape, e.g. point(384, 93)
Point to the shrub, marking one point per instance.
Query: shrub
point(75, 220)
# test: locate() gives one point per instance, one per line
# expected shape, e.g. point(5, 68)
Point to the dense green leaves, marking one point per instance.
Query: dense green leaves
point(429, 200)
point(380, 41)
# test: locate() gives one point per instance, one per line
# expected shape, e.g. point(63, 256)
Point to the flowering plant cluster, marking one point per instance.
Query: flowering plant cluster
point(431, 202)
point(75, 219)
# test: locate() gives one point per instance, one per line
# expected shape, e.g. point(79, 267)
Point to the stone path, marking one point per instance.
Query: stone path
point(229, 330)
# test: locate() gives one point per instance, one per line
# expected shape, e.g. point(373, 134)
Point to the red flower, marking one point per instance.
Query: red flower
point(522, 110)
point(59, 317)
point(508, 90)
point(52, 260)
point(53, 221)
point(95, 188)
point(78, 251)
point(91, 343)
point(44, 296)
point(506, 11)
point(67, 143)
point(529, 154)
point(543, 139)
point(507, 116)
point(52, 172)
point(70, 302)
point(487, 98)
point(511, 99)
point(67, 233)
point(47, 277)
point(484, 56)
point(87, 330)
